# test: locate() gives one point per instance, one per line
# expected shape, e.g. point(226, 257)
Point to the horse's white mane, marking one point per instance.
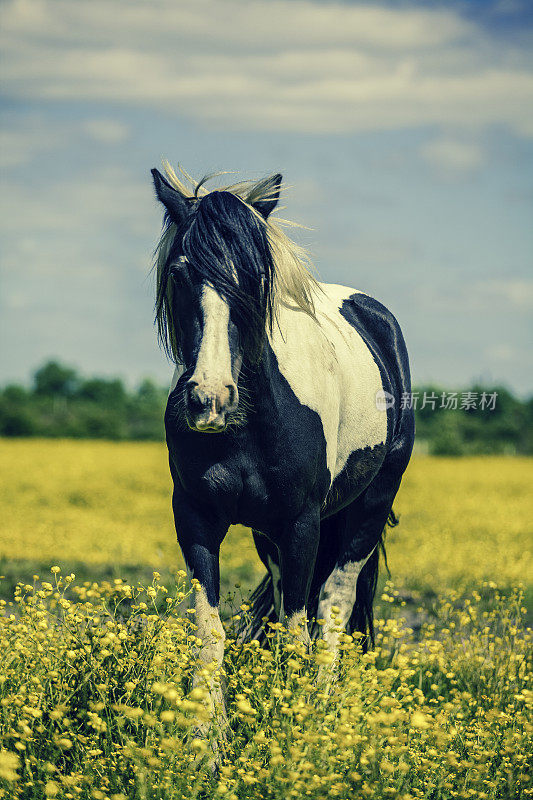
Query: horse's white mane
point(294, 282)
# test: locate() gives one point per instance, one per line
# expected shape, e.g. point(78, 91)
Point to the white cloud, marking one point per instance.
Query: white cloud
point(107, 131)
point(29, 137)
point(18, 147)
point(453, 155)
point(83, 206)
point(370, 251)
point(512, 296)
point(286, 65)
point(23, 139)
point(514, 292)
point(256, 25)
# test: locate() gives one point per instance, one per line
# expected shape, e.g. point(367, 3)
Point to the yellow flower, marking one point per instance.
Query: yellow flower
point(419, 720)
point(65, 743)
point(245, 707)
point(9, 763)
point(325, 657)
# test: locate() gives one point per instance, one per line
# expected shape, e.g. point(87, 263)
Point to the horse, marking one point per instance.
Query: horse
point(286, 414)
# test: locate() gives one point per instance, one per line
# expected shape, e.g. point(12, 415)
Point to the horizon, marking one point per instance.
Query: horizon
point(133, 386)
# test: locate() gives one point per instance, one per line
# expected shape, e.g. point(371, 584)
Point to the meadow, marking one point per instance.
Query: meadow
point(97, 647)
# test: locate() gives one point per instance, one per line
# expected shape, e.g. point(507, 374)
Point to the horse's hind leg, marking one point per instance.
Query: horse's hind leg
point(338, 598)
point(350, 587)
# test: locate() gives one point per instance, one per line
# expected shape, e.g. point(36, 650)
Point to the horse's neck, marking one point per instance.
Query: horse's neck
point(296, 353)
point(297, 337)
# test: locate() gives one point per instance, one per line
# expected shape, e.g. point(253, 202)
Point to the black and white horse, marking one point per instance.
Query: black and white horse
point(284, 412)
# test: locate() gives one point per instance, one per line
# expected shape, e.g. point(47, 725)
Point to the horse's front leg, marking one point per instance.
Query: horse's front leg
point(298, 548)
point(200, 538)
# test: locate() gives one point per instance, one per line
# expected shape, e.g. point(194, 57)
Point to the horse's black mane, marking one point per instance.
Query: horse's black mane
point(225, 243)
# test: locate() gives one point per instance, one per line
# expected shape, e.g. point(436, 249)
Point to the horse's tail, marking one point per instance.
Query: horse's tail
point(261, 602)
point(362, 617)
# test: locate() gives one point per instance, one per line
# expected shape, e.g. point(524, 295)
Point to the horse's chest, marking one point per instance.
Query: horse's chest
point(264, 489)
point(260, 478)
point(273, 493)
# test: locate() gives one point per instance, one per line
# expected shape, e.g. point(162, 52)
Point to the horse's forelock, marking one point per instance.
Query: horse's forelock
point(227, 245)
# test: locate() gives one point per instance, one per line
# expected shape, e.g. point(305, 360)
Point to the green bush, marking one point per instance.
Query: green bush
point(63, 404)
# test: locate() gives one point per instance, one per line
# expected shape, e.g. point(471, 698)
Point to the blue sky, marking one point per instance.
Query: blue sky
point(404, 132)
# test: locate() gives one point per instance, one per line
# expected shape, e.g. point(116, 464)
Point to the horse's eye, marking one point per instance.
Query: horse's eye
point(178, 269)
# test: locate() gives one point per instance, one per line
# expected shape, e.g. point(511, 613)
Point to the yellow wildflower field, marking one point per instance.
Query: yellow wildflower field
point(95, 676)
point(461, 520)
point(96, 703)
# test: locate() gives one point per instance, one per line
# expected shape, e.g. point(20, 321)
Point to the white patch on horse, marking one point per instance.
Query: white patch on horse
point(331, 370)
point(339, 591)
point(213, 365)
point(212, 635)
point(210, 629)
point(276, 584)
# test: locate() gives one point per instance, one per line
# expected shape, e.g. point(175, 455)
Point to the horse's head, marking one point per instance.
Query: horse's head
point(214, 292)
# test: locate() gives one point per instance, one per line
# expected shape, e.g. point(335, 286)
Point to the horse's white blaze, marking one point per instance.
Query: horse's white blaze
point(339, 591)
point(213, 365)
point(331, 370)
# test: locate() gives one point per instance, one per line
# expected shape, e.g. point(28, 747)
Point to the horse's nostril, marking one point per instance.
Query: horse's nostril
point(193, 397)
point(232, 391)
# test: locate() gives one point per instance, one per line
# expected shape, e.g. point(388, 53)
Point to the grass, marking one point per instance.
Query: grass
point(95, 670)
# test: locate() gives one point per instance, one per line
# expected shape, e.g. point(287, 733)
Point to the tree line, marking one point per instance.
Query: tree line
point(478, 420)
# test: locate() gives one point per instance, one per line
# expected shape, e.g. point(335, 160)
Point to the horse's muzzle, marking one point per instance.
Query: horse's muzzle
point(207, 409)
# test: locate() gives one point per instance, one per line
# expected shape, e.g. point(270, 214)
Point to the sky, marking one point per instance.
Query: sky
point(404, 132)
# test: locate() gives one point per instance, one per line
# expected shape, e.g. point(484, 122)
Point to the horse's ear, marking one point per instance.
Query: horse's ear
point(175, 203)
point(270, 189)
